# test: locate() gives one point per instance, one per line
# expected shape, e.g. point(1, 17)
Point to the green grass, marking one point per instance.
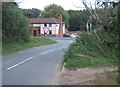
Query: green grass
point(94, 49)
point(15, 47)
point(0, 48)
point(90, 62)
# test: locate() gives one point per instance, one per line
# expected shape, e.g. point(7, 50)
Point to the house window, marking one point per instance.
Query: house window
point(50, 25)
point(45, 25)
point(50, 31)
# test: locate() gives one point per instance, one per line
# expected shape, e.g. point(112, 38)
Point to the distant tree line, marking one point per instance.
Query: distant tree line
point(16, 27)
point(31, 13)
point(78, 20)
point(74, 20)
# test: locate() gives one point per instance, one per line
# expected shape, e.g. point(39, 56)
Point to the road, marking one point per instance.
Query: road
point(35, 66)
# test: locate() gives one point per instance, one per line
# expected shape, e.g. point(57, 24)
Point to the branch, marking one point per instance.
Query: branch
point(93, 13)
point(19, 1)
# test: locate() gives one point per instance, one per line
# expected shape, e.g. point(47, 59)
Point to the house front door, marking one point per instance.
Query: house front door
point(35, 32)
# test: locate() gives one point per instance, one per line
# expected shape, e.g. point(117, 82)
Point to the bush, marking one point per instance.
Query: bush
point(95, 49)
point(15, 26)
point(99, 44)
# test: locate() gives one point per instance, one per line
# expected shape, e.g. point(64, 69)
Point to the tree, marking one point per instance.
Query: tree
point(54, 10)
point(106, 16)
point(107, 8)
point(78, 20)
point(14, 24)
point(32, 13)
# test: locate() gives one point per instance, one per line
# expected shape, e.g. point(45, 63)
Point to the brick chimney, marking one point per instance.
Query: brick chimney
point(60, 34)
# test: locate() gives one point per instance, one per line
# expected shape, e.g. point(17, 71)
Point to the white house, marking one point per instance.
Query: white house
point(49, 26)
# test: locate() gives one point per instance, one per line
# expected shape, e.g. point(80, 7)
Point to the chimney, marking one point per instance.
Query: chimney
point(60, 34)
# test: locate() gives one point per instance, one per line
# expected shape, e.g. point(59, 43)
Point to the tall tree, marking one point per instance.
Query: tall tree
point(54, 10)
point(78, 20)
point(14, 24)
point(108, 9)
point(106, 16)
point(32, 13)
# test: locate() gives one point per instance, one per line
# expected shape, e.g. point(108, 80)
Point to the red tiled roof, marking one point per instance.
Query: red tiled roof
point(44, 20)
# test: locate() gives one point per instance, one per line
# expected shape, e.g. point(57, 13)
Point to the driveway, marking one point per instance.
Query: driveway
point(35, 66)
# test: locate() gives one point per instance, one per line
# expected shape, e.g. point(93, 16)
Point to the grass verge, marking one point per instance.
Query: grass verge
point(98, 49)
point(92, 50)
point(82, 62)
point(15, 47)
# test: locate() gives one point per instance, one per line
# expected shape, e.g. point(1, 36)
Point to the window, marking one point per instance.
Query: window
point(45, 25)
point(50, 31)
point(50, 25)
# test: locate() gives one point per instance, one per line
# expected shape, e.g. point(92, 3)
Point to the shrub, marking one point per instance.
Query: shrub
point(95, 49)
point(14, 24)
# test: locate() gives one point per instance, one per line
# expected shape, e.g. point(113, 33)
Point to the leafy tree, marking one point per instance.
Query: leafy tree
point(106, 17)
point(78, 20)
point(109, 18)
point(54, 10)
point(14, 24)
point(31, 13)
point(103, 14)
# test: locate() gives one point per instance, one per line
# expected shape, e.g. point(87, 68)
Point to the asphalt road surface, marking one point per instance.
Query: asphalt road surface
point(35, 66)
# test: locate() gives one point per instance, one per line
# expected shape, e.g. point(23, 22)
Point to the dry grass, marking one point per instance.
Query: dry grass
point(107, 78)
point(87, 76)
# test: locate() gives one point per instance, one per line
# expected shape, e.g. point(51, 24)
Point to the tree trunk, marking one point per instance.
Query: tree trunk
point(94, 15)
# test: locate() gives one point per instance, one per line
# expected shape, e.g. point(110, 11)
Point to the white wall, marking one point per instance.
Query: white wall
point(42, 31)
point(57, 28)
point(36, 24)
point(54, 28)
point(63, 28)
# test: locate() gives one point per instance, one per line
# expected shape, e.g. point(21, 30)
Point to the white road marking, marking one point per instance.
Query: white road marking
point(32, 58)
point(71, 41)
point(20, 63)
point(46, 52)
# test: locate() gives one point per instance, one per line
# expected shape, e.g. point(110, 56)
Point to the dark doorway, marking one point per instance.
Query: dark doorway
point(50, 31)
point(39, 31)
point(35, 33)
point(36, 30)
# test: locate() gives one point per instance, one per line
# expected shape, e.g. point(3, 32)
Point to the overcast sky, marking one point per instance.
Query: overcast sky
point(40, 4)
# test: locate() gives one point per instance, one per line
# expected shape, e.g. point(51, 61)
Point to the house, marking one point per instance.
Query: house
point(52, 27)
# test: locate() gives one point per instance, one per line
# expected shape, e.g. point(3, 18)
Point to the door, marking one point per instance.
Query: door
point(35, 33)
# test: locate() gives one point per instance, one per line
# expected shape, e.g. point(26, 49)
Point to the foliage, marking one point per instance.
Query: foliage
point(108, 14)
point(98, 48)
point(80, 62)
point(111, 23)
point(78, 20)
point(15, 26)
point(54, 10)
point(34, 42)
point(31, 13)
point(95, 49)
